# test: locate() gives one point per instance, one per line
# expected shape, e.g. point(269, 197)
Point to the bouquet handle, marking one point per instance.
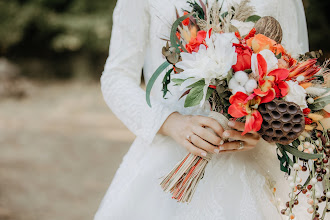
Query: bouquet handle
point(182, 181)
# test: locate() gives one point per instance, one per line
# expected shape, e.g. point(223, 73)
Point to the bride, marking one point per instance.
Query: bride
point(239, 183)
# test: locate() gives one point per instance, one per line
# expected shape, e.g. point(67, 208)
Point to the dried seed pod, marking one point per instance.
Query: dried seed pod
point(269, 27)
point(170, 54)
point(283, 121)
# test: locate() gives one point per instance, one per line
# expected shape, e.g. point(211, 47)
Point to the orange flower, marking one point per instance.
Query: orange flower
point(194, 43)
point(279, 49)
point(187, 20)
point(244, 105)
point(261, 42)
point(271, 84)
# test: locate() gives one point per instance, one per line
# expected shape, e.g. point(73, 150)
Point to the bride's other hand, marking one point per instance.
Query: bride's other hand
point(242, 142)
point(191, 132)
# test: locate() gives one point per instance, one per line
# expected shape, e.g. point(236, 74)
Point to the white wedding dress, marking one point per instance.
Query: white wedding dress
point(235, 185)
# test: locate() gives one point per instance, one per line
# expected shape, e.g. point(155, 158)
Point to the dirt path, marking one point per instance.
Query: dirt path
point(59, 150)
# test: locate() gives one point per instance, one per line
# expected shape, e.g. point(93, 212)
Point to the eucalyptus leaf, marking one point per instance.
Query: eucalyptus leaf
point(300, 154)
point(153, 78)
point(253, 18)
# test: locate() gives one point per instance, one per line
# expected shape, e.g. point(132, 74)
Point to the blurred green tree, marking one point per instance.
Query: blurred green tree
point(55, 28)
point(58, 24)
point(64, 38)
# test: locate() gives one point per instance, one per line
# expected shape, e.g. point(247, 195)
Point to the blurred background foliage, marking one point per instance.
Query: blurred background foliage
point(69, 38)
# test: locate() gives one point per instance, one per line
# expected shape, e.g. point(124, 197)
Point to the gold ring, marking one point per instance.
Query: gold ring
point(241, 145)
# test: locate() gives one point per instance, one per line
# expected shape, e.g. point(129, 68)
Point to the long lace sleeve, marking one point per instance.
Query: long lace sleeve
point(120, 81)
point(291, 16)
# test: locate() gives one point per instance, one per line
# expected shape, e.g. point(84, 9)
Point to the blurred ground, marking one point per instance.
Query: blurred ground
point(59, 149)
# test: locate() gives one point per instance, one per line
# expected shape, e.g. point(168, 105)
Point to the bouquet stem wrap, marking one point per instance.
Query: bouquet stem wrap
point(182, 181)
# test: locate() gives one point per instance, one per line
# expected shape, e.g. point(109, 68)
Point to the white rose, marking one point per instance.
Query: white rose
point(297, 94)
point(271, 60)
point(244, 28)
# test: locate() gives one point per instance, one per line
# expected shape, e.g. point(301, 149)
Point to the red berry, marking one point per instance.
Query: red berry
point(309, 187)
point(306, 111)
point(308, 121)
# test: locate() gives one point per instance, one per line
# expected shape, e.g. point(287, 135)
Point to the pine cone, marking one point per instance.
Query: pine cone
point(283, 121)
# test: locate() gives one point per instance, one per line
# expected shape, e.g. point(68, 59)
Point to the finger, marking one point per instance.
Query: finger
point(240, 126)
point(207, 135)
point(211, 123)
point(200, 143)
point(193, 149)
point(234, 146)
point(237, 135)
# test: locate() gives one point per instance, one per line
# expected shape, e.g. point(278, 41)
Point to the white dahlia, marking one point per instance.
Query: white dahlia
point(213, 62)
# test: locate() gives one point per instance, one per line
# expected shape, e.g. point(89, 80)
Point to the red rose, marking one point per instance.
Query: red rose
point(243, 58)
point(194, 43)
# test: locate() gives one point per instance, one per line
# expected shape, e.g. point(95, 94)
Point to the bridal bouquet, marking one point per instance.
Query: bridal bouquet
point(234, 62)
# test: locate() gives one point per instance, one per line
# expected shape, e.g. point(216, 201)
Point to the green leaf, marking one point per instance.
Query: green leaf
point(319, 78)
point(195, 96)
point(253, 18)
point(166, 81)
point(230, 75)
point(300, 154)
point(248, 71)
point(153, 78)
point(320, 103)
point(285, 160)
point(223, 15)
point(323, 99)
point(174, 39)
point(197, 8)
point(198, 83)
point(296, 143)
point(209, 93)
point(178, 82)
point(279, 56)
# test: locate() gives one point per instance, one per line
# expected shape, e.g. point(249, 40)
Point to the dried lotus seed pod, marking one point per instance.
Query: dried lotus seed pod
point(269, 27)
point(283, 121)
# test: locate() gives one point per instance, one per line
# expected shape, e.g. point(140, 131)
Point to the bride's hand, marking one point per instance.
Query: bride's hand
point(246, 142)
point(191, 132)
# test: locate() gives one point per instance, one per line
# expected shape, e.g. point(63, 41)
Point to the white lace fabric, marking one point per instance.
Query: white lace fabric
point(235, 185)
